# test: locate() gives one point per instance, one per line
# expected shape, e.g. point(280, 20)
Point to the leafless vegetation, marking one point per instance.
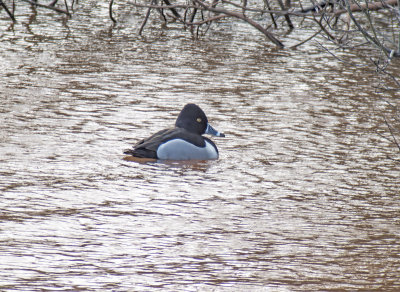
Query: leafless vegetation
point(9, 8)
point(375, 23)
point(347, 24)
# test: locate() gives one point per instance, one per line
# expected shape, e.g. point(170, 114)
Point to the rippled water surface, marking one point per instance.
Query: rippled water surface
point(305, 195)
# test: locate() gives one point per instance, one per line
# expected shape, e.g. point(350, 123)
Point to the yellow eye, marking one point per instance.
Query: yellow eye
point(199, 120)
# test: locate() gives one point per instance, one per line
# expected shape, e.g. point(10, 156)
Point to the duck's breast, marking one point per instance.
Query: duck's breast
point(179, 149)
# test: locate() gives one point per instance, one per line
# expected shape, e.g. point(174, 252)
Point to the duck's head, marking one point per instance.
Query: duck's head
point(193, 119)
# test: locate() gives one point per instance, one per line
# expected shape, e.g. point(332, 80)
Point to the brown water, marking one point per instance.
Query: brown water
point(305, 195)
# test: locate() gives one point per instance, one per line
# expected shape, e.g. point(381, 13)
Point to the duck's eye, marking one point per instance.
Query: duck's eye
point(198, 120)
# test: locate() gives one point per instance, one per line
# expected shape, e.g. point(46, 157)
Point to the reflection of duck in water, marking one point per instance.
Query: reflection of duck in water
point(184, 142)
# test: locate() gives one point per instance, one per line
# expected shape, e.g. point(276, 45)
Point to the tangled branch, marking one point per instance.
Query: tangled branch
point(195, 13)
point(50, 6)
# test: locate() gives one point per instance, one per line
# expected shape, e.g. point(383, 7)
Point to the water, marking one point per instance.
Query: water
point(303, 197)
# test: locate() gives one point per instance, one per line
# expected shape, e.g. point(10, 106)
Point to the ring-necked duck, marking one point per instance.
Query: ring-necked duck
point(184, 142)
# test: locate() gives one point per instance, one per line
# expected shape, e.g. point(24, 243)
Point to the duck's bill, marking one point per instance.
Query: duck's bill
point(210, 130)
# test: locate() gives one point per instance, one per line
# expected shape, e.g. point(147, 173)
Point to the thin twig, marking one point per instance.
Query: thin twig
point(173, 10)
point(331, 37)
point(48, 7)
point(392, 132)
point(111, 12)
point(185, 6)
point(287, 18)
point(66, 6)
point(306, 40)
point(372, 6)
point(381, 70)
point(145, 19)
point(269, 35)
point(271, 14)
point(336, 57)
point(201, 22)
point(11, 15)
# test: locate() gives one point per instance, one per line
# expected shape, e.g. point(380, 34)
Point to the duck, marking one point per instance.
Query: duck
point(183, 142)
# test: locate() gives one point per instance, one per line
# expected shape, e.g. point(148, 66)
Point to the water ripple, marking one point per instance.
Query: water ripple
point(303, 197)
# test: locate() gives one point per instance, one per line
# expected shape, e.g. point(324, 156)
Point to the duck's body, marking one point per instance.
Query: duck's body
point(184, 142)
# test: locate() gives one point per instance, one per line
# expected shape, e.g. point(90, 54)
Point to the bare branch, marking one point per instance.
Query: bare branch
point(289, 22)
point(392, 133)
point(269, 35)
point(110, 12)
point(306, 40)
point(372, 6)
point(173, 10)
point(48, 7)
point(11, 15)
point(145, 19)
